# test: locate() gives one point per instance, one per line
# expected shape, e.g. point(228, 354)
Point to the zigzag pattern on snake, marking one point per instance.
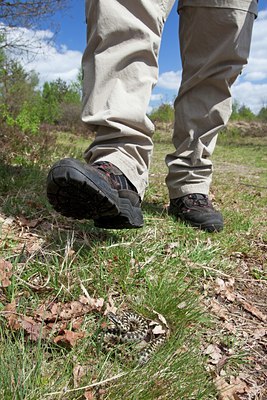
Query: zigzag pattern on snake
point(129, 327)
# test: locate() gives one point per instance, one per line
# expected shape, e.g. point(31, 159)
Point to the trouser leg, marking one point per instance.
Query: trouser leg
point(214, 45)
point(120, 67)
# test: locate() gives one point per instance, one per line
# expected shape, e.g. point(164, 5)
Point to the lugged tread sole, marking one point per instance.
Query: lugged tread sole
point(82, 193)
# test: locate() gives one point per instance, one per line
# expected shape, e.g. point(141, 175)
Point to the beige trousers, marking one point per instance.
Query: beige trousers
point(120, 67)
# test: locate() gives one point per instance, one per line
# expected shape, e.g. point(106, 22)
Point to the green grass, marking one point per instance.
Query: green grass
point(161, 267)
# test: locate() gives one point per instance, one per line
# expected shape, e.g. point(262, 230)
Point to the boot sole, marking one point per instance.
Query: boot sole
point(83, 194)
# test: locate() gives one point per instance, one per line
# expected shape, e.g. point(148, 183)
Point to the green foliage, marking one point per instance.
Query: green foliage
point(246, 114)
point(263, 114)
point(235, 115)
point(49, 111)
point(28, 119)
point(164, 113)
point(242, 113)
point(16, 85)
point(24, 106)
point(55, 95)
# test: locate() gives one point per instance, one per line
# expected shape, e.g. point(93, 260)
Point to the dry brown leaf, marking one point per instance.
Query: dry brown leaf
point(214, 352)
point(225, 288)
point(79, 371)
point(11, 316)
point(89, 395)
point(230, 391)
point(259, 333)
point(5, 272)
point(94, 304)
point(77, 323)
point(34, 245)
point(158, 330)
point(230, 327)
point(34, 329)
point(24, 222)
point(68, 337)
point(68, 311)
point(219, 310)
point(110, 306)
point(162, 319)
point(252, 309)
point(6, 224)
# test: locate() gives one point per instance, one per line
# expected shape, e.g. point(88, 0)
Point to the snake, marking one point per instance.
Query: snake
point(129, 327)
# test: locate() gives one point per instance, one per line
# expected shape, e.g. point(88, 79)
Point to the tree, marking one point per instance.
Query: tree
point(19, 96)
point(16, 85)
point(235, 107)
point(27, 14)
point(50, 104)
point(263, 114)
point(245, 113)
point(56, 95)
point(164, 113)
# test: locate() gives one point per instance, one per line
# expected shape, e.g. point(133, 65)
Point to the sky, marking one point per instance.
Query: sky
point(61, 57)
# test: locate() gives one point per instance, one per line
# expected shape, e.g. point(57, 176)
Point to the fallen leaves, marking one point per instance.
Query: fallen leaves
point(68, 338)
point(58, 311)
point(226, 290)
point(242, 319)
point(54, 319)
point(251, 309)
point(5, 273)
point(21, 231)
point(230, 391)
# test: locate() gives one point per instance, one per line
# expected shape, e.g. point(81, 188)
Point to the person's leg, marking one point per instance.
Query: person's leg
point(214, 44)
point(120, 67)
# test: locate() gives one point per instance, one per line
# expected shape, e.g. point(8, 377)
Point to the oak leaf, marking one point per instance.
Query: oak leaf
point(68, 337)
point(229, 391)
point(5, 272)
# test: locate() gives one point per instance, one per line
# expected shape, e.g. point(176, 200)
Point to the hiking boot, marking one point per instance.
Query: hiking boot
point(97, 191)
point(197, 210)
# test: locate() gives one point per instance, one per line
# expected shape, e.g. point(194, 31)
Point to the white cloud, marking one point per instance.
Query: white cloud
point(56, 63)
point(257, 66)
point(47, 59)
point(157, 97)
point(170, 80)
point(252, 95)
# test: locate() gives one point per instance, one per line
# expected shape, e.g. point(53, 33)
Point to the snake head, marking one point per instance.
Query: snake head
point(117, 321)
point(113, 318)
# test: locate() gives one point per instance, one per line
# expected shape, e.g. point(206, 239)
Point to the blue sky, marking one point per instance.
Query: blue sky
point(62, 58)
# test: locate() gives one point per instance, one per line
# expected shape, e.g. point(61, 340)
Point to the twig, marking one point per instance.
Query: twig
point(214, 270)
point(85, 292)
point(88, 386)
point(34, 287)
point(117, 245)
point(230, 276)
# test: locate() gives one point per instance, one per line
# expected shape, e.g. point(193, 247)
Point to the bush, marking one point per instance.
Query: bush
point(27, 120)
point(164, 113)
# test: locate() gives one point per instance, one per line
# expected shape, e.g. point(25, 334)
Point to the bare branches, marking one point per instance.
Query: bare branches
point(17, 13)
point(18, 16)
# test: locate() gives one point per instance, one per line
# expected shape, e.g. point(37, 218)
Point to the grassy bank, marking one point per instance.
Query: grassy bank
point(205, 285)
